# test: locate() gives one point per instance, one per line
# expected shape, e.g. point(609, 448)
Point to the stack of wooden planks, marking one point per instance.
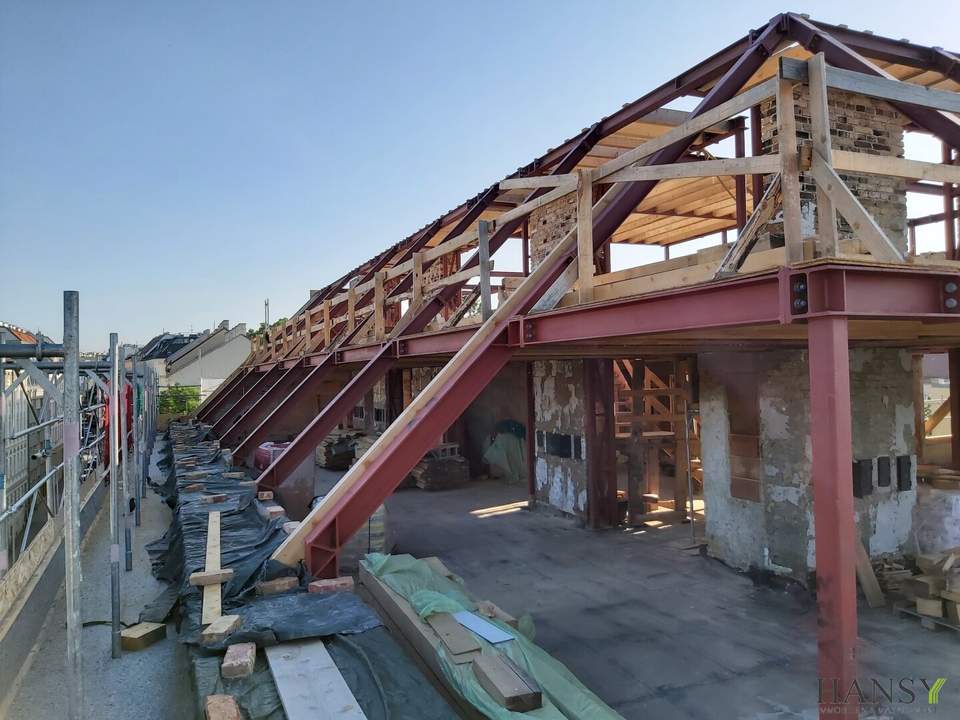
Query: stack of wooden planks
point(336, 452)
point(936, 590)
point(441, 473)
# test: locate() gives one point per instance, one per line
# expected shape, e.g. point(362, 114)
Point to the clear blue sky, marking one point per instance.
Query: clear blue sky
point(179, 162)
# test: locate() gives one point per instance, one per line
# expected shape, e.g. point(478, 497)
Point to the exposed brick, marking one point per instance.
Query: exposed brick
point(222, 707)
point(265, 495)
point(239, 660)
point(219, 497)
point(340, 584)
point(271, 587)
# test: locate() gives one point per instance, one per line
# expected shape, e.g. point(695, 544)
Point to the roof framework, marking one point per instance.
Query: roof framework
point(655, 184)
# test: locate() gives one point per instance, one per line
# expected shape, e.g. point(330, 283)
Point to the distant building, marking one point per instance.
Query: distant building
point(202, 360)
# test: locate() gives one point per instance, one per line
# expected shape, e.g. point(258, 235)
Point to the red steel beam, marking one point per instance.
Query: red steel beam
point(226, 398)
point(834, 524)
point(263, 406)
point(231, 413)
point(387, 467)
point(315, 431)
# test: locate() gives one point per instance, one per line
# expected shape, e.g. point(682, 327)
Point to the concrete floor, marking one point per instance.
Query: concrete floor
point(151, 684)
point(654, 630)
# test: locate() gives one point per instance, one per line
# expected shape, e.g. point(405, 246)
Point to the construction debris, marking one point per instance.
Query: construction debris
point(141, 635)
point(239, 660)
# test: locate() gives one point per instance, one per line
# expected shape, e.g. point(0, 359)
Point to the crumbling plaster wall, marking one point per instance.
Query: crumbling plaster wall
point(777, 533)
point(561, 482)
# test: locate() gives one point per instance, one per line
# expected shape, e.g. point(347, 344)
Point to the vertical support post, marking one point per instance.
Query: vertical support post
point(308, 327)
point(740, 181)
point(919, 432)
point(71, 498)
point(525, 239)
point(834, 524)
point(531, 437)
point(585, 266)
point(125, 462)
point(369, 412)
point(599, 431)
point(949, 216)
point(351, 307)
point(417, 280)
point(789, 172)
point(723, 238)
point(911, 240)
point(827, 242)
point(483, 243)
point(327, 329)
point(137, 449)
point(379, 317)
point(114, 425)
point(681, 452)
point(756, 147)
point(953, 361)
point(4, 528)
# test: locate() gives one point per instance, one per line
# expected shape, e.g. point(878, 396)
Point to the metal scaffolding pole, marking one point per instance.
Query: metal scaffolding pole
point(137, 447)
point(125, 461)
point(71, 498)
point(114, 496)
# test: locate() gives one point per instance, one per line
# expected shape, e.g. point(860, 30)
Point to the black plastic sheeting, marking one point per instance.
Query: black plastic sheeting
point(381, 677)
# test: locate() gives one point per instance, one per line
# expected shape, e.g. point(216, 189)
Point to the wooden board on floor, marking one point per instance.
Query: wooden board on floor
point(868, 579)
point(310, 684)
point(211, 593)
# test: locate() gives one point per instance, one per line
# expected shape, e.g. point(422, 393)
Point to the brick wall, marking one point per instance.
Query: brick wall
point(858, 124)
point(549, 224)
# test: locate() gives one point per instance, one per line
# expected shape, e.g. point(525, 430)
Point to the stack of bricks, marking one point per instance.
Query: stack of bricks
point(858, 124)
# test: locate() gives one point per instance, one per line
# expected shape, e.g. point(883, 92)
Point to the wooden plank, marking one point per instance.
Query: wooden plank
point(417, 279)
point(936, 417)
point(141, 635)
point(746, 240)
point(694, 126)
point(585, 252)
point(379, 318)
point(827, 241)
point(456, 638)
point(483, 250)
point(755, 165)
point(309, 683)
point(351, 309)
point(220, 628)
point(327, 325)
point(535, 182)
point(504, 685)
point(211, 593)
point(876, 86)
point(868, 579)
point(789, 172)
point(211, 577)
point(419, 636)
point(863, 225)
point(849, 161)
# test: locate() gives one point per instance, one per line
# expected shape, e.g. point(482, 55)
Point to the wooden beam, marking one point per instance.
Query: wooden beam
point(789, 172)
point(483, 244)
point(863, 225)
point(417, 279)
point(827, 240)
point(875, 86)
point(585, 253)
point(327, 325)
point(848, 161)
point(535, 182)
point(379, 319)
point(732, 107)
point(759, 165)
point(351, 309)
point(748, 238)
point(936, 417)
point(211, 593)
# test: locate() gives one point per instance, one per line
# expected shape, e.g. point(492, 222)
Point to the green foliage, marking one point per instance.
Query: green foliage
point(179, 399)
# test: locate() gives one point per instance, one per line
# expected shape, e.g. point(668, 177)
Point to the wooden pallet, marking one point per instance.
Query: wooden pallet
point(930, 623)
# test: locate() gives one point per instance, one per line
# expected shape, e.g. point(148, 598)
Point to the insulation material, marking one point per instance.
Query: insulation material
point(507, 458)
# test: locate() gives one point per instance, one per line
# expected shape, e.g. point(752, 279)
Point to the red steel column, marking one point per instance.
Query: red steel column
point(830, 434)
